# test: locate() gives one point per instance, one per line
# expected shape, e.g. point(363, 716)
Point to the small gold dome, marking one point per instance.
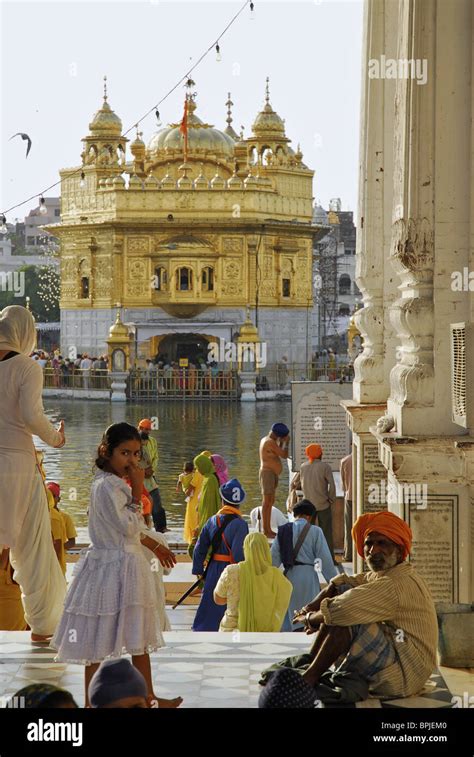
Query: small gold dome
point(267, 121)
point(235, 182)
point(251, 181)
point(105, 121)
point(248, 332)
point(201, 182)
point(137, 147)
point(118, 330)
point(217, 182)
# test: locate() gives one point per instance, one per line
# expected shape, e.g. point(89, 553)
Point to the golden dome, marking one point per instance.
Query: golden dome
point(118, 331)
point(137, 147)
point(201, 182)
point(105, 122)
point(268, 122)
point(248, 332)
point(202, 139)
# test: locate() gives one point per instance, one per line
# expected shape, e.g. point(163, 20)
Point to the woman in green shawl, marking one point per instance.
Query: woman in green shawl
point(210, 500)
point(257, 594)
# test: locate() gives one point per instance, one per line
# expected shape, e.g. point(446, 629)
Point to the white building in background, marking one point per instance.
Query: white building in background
point(35, 237)
point(336, 294)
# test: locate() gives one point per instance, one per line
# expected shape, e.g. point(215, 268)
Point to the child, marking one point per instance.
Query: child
point(111, 605)
point(58, 529)
point(71, 532)
point(184, 484)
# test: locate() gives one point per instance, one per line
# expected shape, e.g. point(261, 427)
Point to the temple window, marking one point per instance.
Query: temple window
point(267, 156)
point(286, 287)
point(253, 156)
point(344, 310)
point(344, 284)
point(184, 279)
point(207, 279)
point(84, 287)
point(160, 281)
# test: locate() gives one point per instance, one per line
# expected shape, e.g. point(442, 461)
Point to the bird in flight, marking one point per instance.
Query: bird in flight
point(23, 136)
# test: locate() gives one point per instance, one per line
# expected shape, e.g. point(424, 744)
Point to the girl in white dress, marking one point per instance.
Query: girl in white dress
point(111, 605)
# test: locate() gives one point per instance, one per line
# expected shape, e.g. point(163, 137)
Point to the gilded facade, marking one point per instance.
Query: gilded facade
point(184, 239)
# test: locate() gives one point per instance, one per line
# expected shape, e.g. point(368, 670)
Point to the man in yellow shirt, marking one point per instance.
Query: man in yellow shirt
point(383, 623)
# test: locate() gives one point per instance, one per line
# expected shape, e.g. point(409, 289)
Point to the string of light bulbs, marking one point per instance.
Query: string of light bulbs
point(187, 77)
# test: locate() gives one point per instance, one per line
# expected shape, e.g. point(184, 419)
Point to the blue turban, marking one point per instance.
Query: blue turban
point(280, 429)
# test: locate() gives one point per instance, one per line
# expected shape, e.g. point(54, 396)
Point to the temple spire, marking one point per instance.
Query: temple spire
point(229, 104)
point(229, 130)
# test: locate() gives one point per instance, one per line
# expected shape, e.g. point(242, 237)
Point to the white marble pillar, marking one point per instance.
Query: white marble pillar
point(429, 459)
point(431, 208)
point(374, 275)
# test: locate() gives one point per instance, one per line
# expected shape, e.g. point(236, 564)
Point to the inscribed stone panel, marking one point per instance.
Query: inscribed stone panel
point(435, 544)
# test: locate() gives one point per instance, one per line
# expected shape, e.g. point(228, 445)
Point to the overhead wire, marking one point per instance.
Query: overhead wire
point(186, 77)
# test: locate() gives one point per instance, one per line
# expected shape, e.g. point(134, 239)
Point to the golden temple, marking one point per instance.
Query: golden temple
point(173, 235)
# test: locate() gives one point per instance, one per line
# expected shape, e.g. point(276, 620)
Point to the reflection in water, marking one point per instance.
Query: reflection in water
point(232, 429)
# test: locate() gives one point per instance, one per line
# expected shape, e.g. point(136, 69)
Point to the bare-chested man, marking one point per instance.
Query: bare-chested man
point(273, 448)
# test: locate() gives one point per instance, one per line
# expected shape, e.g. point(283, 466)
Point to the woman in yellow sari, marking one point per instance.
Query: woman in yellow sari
point(191, 520)
point(257, 594)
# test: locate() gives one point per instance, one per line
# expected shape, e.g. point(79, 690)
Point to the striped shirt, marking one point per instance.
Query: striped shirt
point(400, 600)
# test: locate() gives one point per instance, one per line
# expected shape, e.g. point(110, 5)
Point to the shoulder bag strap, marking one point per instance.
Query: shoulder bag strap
point(300, 541)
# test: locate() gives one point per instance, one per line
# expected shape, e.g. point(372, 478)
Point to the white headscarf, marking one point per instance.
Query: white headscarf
point(17, 330)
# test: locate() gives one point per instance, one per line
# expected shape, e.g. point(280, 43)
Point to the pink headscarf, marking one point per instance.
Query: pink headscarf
point(220, 468)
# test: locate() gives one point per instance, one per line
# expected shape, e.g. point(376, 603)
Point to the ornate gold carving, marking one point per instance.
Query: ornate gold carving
point(232, 244)
point(68, 292)
point(231, 269)
point(232, 288)
point(137, 245)
point(68, 269)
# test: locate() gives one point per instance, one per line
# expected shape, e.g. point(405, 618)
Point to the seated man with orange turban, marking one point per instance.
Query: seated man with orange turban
point(383, 627)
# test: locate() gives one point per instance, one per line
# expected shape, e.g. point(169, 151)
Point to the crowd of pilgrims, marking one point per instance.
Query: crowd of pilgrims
point(241, 583)
point(115, 603)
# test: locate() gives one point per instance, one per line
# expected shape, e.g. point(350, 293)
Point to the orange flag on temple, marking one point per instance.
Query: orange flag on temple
point(184, 129)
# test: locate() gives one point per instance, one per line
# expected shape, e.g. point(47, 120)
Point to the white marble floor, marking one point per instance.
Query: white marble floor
point(209, 670)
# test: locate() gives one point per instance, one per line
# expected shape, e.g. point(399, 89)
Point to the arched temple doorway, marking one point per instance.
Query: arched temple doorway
point(173, 347)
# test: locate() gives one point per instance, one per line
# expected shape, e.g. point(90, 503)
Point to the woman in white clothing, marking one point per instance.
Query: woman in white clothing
point(24, 516)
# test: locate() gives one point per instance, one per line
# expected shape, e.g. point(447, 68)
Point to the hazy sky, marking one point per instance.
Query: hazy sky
point(55, 54)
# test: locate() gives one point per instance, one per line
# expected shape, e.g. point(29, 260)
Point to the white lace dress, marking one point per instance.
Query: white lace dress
point(111, 606)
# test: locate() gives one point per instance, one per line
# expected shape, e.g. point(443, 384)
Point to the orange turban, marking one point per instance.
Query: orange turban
point(313, 451)
point(386, 523)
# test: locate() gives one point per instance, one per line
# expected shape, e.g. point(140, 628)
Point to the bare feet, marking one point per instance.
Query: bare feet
point(38, 638)
point(153, 701)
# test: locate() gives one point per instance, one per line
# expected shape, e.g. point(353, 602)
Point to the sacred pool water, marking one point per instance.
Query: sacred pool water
point(231, 429)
